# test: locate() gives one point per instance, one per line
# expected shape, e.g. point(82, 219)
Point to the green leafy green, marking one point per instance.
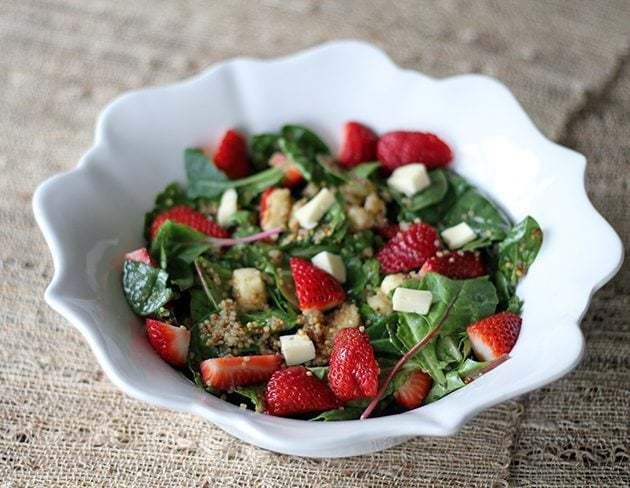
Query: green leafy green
point(320, 371)
point(346, 413)
point(361, 275)
point(453, 382)
point(365, 170)
point(262, 147)
point(179, 241)
point(145, 287)
point(480, 214)
point(306, 139)
point(255, 394)
point(171, 196)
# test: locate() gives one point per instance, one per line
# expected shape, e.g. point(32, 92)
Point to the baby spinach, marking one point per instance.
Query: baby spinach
point(178, 241)
point(171, 196)
point(361, 275)
point(453, 382)
point(262, 147)
point(486, 220)
point(306, 139)
point(255, 395)
point(145, 287)
point(519, 249)
point(365, 170)
point(345, 413)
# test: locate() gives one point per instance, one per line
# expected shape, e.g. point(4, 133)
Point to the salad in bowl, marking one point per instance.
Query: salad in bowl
point(299, 284)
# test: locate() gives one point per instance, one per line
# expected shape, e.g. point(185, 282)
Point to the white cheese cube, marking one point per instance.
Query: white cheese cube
point(458, 235)
point(227, 207)
point(415, 301)
point(332, 264)
point(309, 215)
point(409, 179)
point(392, 281)
point(249, 289)
point(296, 349)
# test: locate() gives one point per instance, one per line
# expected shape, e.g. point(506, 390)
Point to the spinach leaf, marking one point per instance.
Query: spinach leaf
point(181, 273)
point(320, 371)
point(480, 214)
point(469, 366)
point(448, 350)
point(255, 394)
point(518, 250)
point(432, 214)
point(432, 194)
point(362, 275)
point(175, 240)
point(365, 170)
point(200, 349)
point(205, 180)
point(214, 280)
point(200, 305)
point(171, 196)
point(306, 139)
point(453, 382)
point(262, 147)
point(145, 287)
point(345, 413)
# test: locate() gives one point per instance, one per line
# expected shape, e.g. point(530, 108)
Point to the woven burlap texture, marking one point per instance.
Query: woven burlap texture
point(63, 424)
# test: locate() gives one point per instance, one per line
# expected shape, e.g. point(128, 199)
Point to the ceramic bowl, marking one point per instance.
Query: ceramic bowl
point(93, 214)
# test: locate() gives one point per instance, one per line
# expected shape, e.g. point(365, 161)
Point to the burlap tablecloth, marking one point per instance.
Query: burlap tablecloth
point(63, 424)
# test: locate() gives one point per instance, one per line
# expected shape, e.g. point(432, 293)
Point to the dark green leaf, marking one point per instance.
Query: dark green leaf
point(178, 241)
point(346, 413)
point(431, 195)
point(172, 195)
point(320, 371)
point(255, 394)
point(453, 382)
point(365, 170)
point(262, 147)
point(519, 249)
point(305, 138)
point(145, 287)
point(200, 306)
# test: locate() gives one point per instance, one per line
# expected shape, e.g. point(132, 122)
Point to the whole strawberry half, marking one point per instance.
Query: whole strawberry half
point(358, 145)
point(142, 255)
point(231, 156)
point(292, 174)
point(353, 370)
point(296, 390)
point(397, 148)
point(315, 289)
point(170, 342)
point(183, 214)
point(409, 249)
point(228, 372)
point(414, 390)
point(458, 265)
point(495, 335)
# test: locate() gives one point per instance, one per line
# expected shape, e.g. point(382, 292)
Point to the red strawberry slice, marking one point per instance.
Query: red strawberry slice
point(296, 390)
point(228, 372)
point(142, 255)
point(397, 148)
point(353, 370)
point(388, 230)
point(358, 145)
point(458, 265)
point(293, 176)
point(263, 202)
point(495, 335)
point(414, 390)
point(231, 156)
point(315, 288)
point(183, 214)
point(409, 249)
point(170, 342)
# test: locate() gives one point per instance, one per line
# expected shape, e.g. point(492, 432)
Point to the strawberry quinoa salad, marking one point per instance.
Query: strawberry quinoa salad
point(288, 281)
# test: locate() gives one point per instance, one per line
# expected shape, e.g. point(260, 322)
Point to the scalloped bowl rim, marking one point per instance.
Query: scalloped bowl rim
point(278, 434)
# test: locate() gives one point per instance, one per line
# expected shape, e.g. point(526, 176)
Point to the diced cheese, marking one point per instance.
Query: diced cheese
point(296, 349)
point(409, 179)
point(415, 301)
point(332, 264)
point(392, 281)
point(278, 209)
point(249, 289)
point(227, 207)
point(458, 235)
point(309, 215)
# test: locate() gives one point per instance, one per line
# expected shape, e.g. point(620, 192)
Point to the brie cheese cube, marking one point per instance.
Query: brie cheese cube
point(458, 235)
point(296, 349)
point(227, 207)
point(415, 301)
point(332, 264)
point(309, 215)
point(409, 179)
point(392, 281)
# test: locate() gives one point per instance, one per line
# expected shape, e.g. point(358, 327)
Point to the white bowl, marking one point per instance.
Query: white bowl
point(93, 214)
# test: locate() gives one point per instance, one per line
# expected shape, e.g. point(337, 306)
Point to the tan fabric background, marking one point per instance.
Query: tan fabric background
point(63, 424)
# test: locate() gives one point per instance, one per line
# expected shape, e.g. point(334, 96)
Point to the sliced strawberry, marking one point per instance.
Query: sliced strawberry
point(353, 370)
point(293, 176)
point(495, 335)
point(183, 214)
point(231, 156)
point(388, 230)
point(170, 342)
point(315, 288)
point(458, 265)
point(414, 390)
point(397, 148)
point(229, 372)
point(358, 145)
point(142, 255)
point(409, 249)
